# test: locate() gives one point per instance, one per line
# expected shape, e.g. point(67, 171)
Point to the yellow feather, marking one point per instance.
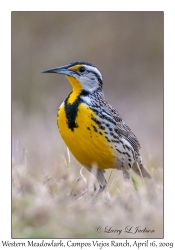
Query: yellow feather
point(88, 147)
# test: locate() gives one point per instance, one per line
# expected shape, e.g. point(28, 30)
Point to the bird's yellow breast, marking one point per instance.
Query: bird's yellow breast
point(86, 141)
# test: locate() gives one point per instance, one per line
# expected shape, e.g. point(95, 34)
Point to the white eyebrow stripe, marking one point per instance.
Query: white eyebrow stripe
point(94, 69)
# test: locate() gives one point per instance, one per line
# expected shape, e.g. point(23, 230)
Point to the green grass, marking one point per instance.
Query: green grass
point(47, 206)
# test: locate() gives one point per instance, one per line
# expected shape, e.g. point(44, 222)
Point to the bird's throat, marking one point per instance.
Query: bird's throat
point(76, 89)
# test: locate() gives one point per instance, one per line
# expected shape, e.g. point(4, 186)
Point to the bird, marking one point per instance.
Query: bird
point(93, 130)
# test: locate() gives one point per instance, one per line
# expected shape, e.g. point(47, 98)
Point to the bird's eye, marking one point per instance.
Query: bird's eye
point(82, 69)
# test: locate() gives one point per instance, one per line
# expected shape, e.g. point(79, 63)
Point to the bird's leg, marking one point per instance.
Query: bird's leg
point(98, 173)
point(101, 188)
point(126, 175)
point(127, 178)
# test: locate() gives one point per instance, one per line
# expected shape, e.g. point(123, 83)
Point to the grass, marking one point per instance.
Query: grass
point(52, 205)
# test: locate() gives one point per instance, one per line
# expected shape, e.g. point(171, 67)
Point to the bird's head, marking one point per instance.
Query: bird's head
point(81, 75)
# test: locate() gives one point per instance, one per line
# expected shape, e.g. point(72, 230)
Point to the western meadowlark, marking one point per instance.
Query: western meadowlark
point(92, 129)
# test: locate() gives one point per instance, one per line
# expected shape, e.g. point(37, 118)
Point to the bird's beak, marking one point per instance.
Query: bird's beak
point(60, 70)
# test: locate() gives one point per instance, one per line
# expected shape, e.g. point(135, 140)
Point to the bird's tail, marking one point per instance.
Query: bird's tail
point(140, 169)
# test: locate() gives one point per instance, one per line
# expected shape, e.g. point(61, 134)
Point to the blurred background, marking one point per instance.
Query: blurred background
point(127, 48)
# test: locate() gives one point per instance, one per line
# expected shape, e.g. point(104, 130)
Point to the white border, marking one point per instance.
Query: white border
point(5, 93)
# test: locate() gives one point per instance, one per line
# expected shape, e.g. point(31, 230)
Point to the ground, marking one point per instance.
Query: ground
point(47, 206)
